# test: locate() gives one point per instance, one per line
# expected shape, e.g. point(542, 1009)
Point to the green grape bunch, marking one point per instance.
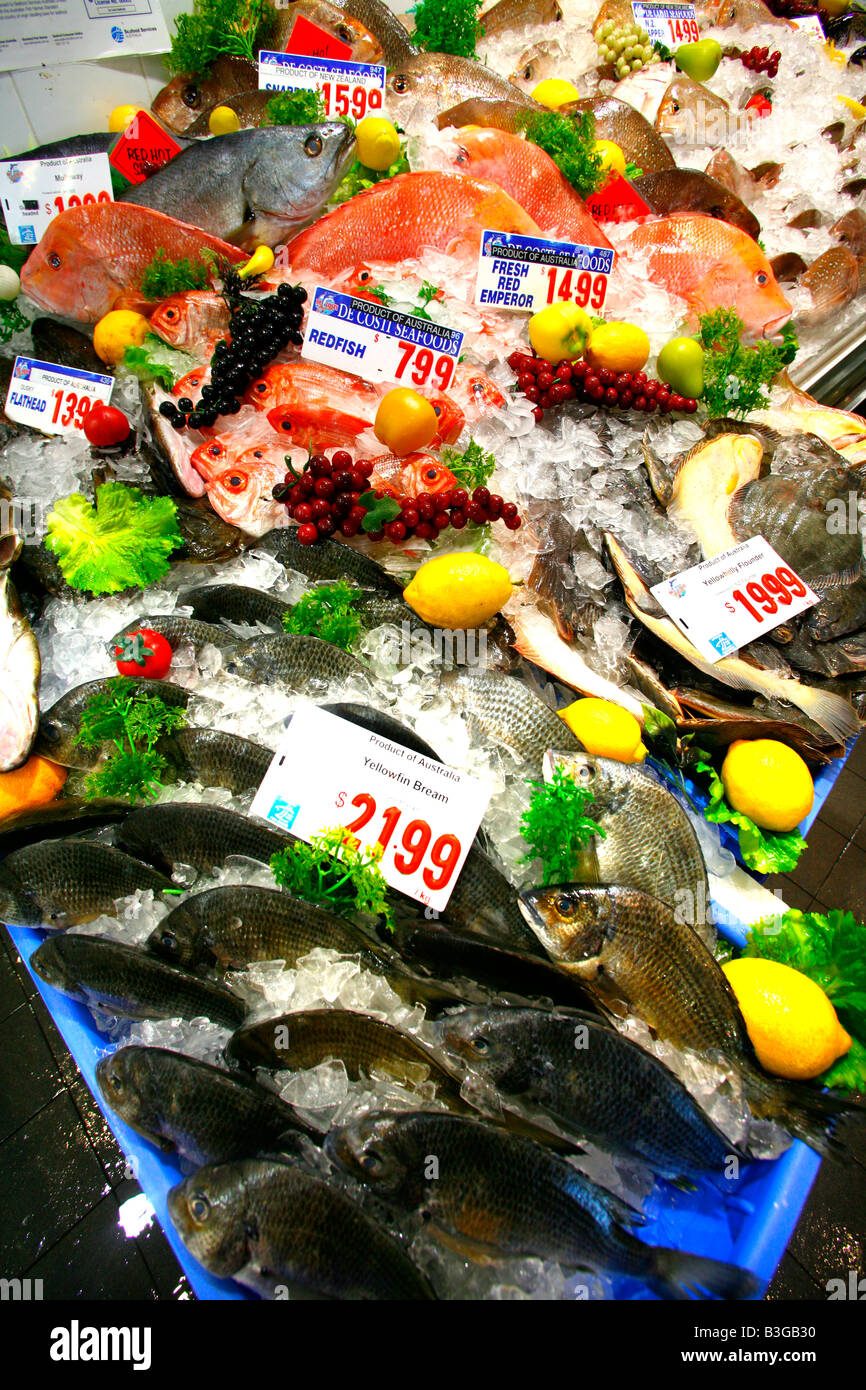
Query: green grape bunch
point(627, 46)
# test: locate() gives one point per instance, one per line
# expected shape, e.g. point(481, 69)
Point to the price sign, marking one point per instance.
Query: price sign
point(379, 344)
point(526, 273)
point(53, 399)
point(618, 201)
point(143, 148)
point(35, 190)
point(307, 38)
point(667, 24)
point(348, 89)
point(423, 814)
point(724, 603)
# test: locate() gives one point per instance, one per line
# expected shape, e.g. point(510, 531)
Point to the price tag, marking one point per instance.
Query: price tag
point(527, 273)
point(53, 399)
point(724, 603)
point(618, 201)
point(307, 38)
point(423, 813)
point(35, 190)
point(348, 89)
point(379, 344)
point(143, 148)
point(667, 24)
point(810, 24)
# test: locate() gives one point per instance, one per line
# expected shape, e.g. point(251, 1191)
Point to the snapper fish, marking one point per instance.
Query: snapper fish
point(193, 321)
point(689, 113)
point(411, 474)
point(243, 495)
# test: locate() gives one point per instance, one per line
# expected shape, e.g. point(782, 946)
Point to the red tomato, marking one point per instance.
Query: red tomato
point(144, 654)
point(104, 425)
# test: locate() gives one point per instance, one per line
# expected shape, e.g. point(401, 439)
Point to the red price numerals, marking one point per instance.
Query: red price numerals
point(76, 409)
point(581, 286)
point(73, 201)
point(442, 854)
point(350, 101)
point(423, 362)
point(775, 590)
point(684, 30)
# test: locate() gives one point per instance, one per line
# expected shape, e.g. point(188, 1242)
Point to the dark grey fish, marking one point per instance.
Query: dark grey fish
point(212, 603)
point(253, 187)
point(271, 1224)
point(846, 656)
point(215, 758)
point(177, 629)
point(499, 1195)
point(99, 142)
point(129, 983)
point(201, 1112)
point(368, 717)
point(329, 559)
point(689, 190)
point(206, 537)
point(295, 662)
point(504, 710)
point(56, 737)
point(840, 612)
point(485, 904)
point(60, 883)
point(67, 346)
point(70, 816)
point(194, 833)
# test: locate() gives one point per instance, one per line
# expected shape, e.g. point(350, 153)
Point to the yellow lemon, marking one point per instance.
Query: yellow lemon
point(116, 331)
point(791, 1022)
point(621, 347)
point(458, 590)
point(605, 729)
point(560, 331)
point(223, 121)
point(121, 117)
point(612, 157)
point(259, 262)
point(554, 92)
point(768, 782)
point(857, 109)
point(377, 142)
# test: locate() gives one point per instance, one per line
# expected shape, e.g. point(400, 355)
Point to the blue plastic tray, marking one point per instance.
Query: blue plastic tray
point(748, 1222)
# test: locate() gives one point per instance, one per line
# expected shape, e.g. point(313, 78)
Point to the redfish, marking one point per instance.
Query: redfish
point(192, 321)
point(243, 496)
point(411, 474)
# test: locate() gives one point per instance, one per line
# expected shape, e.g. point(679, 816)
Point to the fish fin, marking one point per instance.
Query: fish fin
point(810, 1115)
point(677, 1275)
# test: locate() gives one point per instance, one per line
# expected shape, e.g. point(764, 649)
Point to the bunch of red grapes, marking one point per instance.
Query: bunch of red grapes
point(761, 60)
point(546, 384)
point(326, 498)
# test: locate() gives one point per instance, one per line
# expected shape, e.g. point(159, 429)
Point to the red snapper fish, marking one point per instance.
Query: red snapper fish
point(243, 496)
point(411, 474)
point(92, 259)
point(193, 321)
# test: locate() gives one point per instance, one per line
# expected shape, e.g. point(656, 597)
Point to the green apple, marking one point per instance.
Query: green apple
point(699, 60)
point(681, 366)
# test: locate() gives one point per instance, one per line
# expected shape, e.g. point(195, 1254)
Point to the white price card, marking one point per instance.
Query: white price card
point(724, 603)
point(348, 89)
point(667, 24)
point(379, 344)
point(53, 399)
point(328, 772)
point(526, 273)
point(810, 24)
point(34, 191)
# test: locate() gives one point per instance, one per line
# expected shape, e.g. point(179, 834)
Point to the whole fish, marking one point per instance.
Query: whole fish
point(196, 834)
point(274, 1226)
point(485, 904)
point(438, 81)
point(649, 842)
point(236, 603)
point(504, 710)
point(385, 725)
point(294, 662)
point(832, 280)
point(61, 883)
point(844, 430)
point(407, 475)
point(616, 120)
point(129, 983)
point(664, 972)
point(392, 221)
point(20, 666)
point(253, 187)
point(193, 320)
point(57, 736)
point(364, 1045)
point(329, 559)
point(743, 14)
point(200, 1112)
point(690, 114)
point(317, 406)
point(498, 1195)
point(507, 15)
point(712, 265)
point(58, 342)
point(826, 708)
point(70, 815)
point(177, 629)
point(92, 259)
point(590, 1082)
point(536, 638)
point(215, 758)
point(688, 190)
point(532, 179)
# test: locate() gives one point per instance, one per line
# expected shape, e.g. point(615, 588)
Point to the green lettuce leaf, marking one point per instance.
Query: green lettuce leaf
point(125, 540)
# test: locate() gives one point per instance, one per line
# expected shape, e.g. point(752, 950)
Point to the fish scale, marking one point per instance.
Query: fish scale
point(59, 883)
point(196, 834)
point(298, 662)
point(509, 713)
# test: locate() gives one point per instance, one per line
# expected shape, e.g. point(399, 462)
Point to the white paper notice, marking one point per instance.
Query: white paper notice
point(37, 32)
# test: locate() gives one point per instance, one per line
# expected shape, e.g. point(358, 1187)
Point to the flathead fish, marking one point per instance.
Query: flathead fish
point(60, 883)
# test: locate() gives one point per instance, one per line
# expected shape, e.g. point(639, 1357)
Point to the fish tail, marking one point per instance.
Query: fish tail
point(675, 1274)
point(810, 1115)
point(832, 712)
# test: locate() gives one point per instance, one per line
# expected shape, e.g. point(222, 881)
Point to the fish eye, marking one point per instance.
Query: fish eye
point(430, 472)
point(675, 106)
point(50, 731)
point(480, 1044)
point(371, 1161)
point(191, 96)
point(171, 314)
point(761, 278)
point(169, 941)
point(345, 34)
point(286, 425)
point(115, 1081)
point(258, 453)
point(199, 1207)
point(364, 276)
point(215, 450)
point(53, 260)
point(527, 72)
point(313, 145)
point(235, 482)
point(564, 907)
point(261, 387)
point(400, 84)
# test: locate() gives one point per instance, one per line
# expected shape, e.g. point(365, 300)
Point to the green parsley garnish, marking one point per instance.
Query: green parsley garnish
point(735, 376)
point(448, 26)
point(295, 108)
point(473, 467)
point(570, 142)
point(237, 28)
point(327, 611)
point(11, 319)
point(334, 871)
point(555, 825)
point(133, 720)
point(163, 277)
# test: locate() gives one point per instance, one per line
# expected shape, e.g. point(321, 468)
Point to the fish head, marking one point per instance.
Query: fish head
point(607, 781)
point(571, 922)
point(191, 384)
point(171, 320)
point(689, 113)
point(67, 275)
point(481, 1037)
point(179, 939)
point(289, 184)
point(17, 907)
point(540, 61)
point(180, 103)
point(130, 1083)
point(745, 277)
point(451, 420)
point(211, 458)
point(243, 495)
point(424, 473)
point(57, 738)
point(210, 1217)
point(371, 1149)
point(335, 21)
point(51, 964)
point(266, 391)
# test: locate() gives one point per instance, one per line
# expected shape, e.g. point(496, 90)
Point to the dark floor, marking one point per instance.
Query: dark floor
point(62, 1173)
